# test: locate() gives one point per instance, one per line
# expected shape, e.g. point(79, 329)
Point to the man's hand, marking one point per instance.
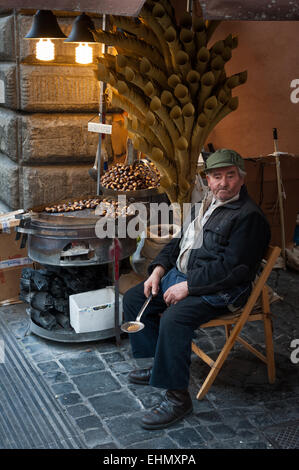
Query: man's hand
point(176, 293)
point(151, 285)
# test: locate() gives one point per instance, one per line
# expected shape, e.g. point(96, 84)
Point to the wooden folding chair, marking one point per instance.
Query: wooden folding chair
point(250, 312)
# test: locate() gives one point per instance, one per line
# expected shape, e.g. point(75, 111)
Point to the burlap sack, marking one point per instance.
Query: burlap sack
point(126, 281)
point(292, 256)
point(273, 297)
point(157, 237)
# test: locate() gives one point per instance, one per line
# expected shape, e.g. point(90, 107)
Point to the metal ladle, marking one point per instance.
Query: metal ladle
point(137, 325)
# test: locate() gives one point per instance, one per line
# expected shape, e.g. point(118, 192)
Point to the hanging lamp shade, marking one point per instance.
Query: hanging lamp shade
point(81, 30)
point(45, 25)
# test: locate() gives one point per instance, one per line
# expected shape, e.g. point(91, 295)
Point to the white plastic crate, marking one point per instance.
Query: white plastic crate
point(94, 310)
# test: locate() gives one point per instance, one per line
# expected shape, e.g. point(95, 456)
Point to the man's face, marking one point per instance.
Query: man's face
point(225, 183)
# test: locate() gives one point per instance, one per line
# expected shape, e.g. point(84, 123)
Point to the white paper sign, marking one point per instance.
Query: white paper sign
point(2, 92)
point(100, 128)
point(10, 263)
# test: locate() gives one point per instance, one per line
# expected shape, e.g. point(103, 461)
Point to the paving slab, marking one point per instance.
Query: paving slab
point(115, 404)
point(96, 383)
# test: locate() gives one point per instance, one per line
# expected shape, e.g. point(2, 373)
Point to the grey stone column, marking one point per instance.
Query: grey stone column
point(45, 147)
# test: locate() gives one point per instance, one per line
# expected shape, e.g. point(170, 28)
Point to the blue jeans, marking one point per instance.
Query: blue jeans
point(172, 277)
point(233, 298)
point(168, 337)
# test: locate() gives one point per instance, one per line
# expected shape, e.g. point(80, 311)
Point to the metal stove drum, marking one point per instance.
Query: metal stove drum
point(68, 239)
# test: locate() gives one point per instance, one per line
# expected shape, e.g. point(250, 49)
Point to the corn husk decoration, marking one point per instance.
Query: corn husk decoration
point(170, 79)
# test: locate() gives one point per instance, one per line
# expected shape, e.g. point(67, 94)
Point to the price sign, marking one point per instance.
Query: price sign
point(99, 128)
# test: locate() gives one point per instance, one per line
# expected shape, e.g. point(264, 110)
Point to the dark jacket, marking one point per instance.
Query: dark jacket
point(235, 239)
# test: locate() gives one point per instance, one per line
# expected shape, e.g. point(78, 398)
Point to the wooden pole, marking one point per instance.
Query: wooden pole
point(102, 111)
point(280, 197)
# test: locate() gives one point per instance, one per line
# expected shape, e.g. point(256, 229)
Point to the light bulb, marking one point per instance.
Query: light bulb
point(83, 54)
point(45, 49)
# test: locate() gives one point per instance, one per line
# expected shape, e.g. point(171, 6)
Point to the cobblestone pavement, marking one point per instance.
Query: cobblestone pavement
point(241, 410)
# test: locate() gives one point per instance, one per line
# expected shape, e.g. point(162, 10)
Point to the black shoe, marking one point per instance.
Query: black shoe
point(175, 405)
point(140, 376)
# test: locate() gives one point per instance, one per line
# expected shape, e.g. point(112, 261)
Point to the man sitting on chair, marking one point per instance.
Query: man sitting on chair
point(205, 272)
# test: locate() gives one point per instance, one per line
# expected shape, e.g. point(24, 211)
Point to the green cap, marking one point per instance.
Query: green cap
point(222, 158)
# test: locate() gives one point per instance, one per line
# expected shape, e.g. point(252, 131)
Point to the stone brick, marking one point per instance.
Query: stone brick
point(120, 367)
point(64, 52)
point(60, 138)
point(62, 388)
point(55, 377)
point(34, 348)
point(78, 411)
point(89, 422)
point(110, 358)
point(7, 43)
point(114, 404)
point(221, 431)
point(46, 184)
point(58, 88)
point(44, 356)
point(127, 429)
point(49, 366)
point(187, 438)
point(81, 363)
point(69, 399)
point(9, 133)
point(9, 182)
point(8, 77)
point(95, 437)
point(96, 383)
point(158, 443)
point(106, 445)
point(209, 417)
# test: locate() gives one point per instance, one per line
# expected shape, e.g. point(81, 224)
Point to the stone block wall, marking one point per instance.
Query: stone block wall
point(45, 147)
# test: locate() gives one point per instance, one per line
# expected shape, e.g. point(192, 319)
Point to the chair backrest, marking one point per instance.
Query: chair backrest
point(270, 258)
